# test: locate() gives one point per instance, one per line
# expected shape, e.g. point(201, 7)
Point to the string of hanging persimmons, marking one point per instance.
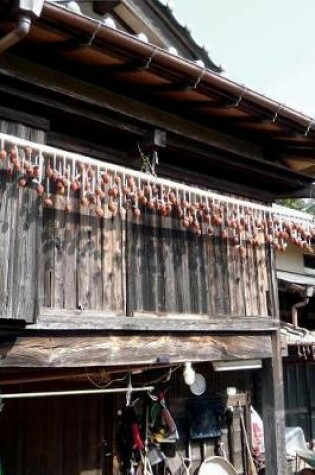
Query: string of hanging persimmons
point(103, 189)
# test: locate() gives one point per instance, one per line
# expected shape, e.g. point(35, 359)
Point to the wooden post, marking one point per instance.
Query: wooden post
point(273, 410)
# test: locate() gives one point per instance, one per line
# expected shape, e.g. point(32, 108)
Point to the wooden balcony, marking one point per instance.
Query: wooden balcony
point(150, 265)
point(96, 258)
point(73, 262)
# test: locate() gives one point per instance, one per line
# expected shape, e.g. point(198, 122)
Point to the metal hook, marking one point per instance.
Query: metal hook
point(149, 60)
point(309, 127)
point(199, 78)
point(95, 33)
point(239, 100)
point(277, 112)
point(153, 397)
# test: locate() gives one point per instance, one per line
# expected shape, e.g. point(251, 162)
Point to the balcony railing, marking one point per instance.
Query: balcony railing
point(113, 239)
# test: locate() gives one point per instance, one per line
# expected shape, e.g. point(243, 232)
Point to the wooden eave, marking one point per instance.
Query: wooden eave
point(119, 61)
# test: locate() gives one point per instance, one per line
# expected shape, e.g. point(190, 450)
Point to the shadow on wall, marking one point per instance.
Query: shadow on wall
point(51, 436)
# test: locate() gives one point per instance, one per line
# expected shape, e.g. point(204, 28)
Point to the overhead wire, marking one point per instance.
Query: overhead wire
point(107, 383)
point(164, 378)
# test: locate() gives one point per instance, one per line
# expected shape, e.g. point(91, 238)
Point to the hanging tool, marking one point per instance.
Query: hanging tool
point(146, 460)
point(203, 450)
point(167, 416)
point(186, 464)
point(229, 421)
point(251, 469)
point(186, 461)
point(160, 410)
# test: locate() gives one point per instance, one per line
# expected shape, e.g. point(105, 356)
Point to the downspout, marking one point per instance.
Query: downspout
point(294, 312)
point(21, 30)
point(24, 11)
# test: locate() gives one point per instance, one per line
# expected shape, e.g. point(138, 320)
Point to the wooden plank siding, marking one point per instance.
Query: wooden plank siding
point(121, 266)
point(172, 270)
point(83, 263)
point(59, 436)
point(20, 226)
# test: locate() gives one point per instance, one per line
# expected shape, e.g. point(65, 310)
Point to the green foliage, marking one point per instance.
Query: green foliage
point(293, 203)
point(307, 205)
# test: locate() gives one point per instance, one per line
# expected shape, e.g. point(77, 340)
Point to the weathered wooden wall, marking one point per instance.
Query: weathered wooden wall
point(173, 270)
point(119, 265)
point(65, 435)
point(19, 238)
point(148, 265)
point(56, 436)
point(83, 260)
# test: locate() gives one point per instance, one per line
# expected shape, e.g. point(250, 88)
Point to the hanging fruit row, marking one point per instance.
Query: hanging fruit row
point(105, 189)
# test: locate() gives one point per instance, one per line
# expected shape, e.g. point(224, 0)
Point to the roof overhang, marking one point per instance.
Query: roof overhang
point(110, 58)
point(298, 279)
point(130, 16)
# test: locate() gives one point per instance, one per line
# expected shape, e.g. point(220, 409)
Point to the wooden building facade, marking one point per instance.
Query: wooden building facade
point(110, 269)
point(295, 271)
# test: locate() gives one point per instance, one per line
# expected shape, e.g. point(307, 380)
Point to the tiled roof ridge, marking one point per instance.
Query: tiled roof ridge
point(186, 29)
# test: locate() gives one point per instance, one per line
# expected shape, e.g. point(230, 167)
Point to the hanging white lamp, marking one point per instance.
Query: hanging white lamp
point(189, 374)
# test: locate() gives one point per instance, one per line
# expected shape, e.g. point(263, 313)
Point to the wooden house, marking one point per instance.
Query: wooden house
point(136, 232)
point(296, 276)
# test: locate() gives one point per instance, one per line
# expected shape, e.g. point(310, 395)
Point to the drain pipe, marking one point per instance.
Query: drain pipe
point(26, 10)
point(21, 30)
point(297, 306)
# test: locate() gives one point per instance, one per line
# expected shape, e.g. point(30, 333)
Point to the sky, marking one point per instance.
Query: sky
point(267, 45)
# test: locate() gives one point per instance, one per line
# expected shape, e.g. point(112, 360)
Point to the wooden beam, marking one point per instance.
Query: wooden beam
point(273, 282)
point(297, 153)
point(261, 125)
point(79, 111)
point(133, 115)
point(62, 320)
point(109, 350)
point(214, 104)
point(257, 168)
point(33, 376)
point(153, 140)
point(30, 120)
point(87, 148)
point(122, 68)
point(273, 411)
point(61, 46)
point(166, 87)
point(108, 100)
point(13, 376)
point(101, 7)
point(165, 168)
